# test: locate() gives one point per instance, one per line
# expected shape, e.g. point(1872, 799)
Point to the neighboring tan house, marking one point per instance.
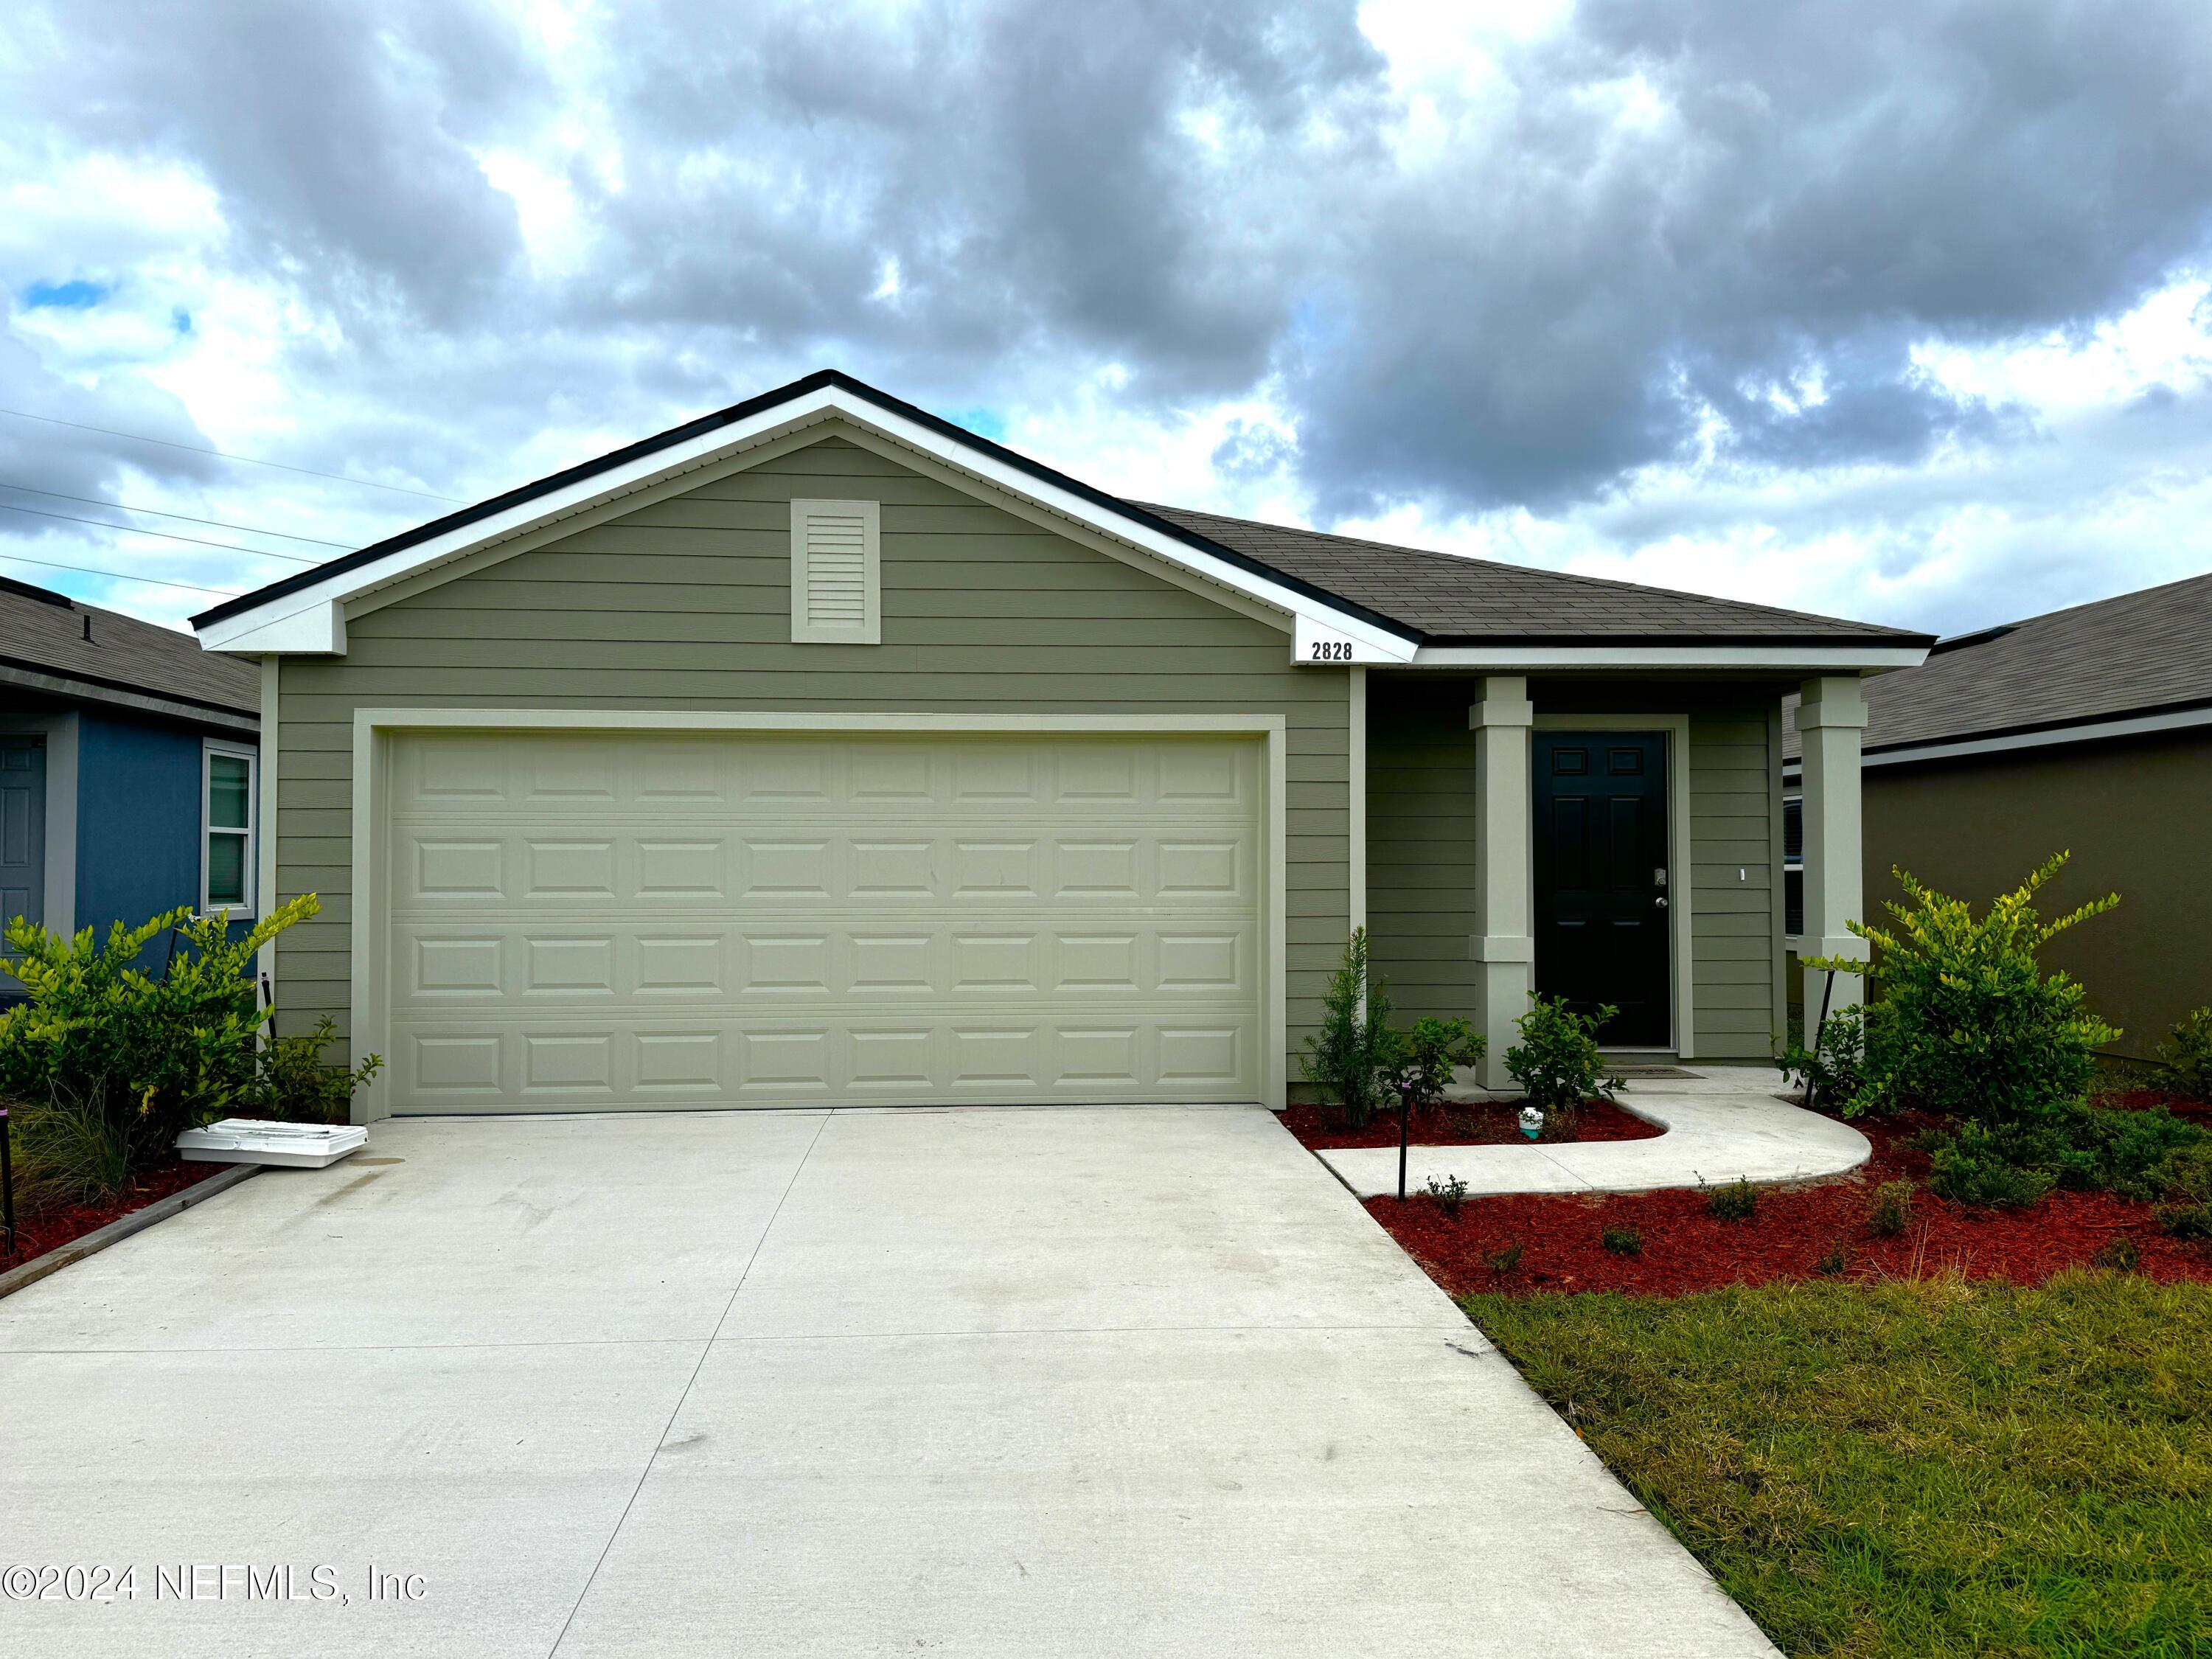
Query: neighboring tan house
point(2088, 730)
point(127, 783)
point(819, 751)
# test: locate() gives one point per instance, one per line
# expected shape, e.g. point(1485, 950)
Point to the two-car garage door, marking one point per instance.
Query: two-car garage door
point(580, 920)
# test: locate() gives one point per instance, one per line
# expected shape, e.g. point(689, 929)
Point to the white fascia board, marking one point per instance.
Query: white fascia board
point(311, 620)
point(1525, 659)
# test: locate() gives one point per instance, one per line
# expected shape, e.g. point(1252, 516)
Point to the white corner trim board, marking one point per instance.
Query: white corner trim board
point(311, 620)
point(373, 729)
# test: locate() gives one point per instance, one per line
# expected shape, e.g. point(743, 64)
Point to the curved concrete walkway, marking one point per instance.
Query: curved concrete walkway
point(1723, 1123)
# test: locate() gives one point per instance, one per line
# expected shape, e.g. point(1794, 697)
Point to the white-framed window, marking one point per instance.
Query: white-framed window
point(836, 573)
point(229, 796)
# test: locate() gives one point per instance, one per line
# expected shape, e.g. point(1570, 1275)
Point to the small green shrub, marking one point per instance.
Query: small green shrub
point(1737, 1201)
point(2188, 1054)
point(1836, 1261)
point(1557, 1061)
point(1623, 1241)
point(1502, 1259)
point(106, 1062)
point(1355, 1052)
point(2116, 1151)
point(1971, 1026)
point(1449, 1194)
point(2184, 1180)
point(1425, 1058)
point(295, 1083)
point(1986, 1167)
point(1891, 1211)
point(2119, 1254)
point(2188, 1221)
point(1833, 1071)
point(2184, 1175)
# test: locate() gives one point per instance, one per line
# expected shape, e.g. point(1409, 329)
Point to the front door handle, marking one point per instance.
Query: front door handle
point(1661, 901)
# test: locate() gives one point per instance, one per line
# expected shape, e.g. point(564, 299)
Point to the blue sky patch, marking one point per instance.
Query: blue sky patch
point(181, 320)
point(79, 295)
point(983, 423)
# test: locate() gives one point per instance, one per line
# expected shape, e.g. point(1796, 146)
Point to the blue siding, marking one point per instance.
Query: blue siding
point(137, 821)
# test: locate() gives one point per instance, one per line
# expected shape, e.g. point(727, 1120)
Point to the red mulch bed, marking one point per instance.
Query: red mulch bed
point(1486, 1123)
point(1687, 1249)
point(58, 1227)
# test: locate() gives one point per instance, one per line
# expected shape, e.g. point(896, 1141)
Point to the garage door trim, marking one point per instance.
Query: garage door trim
point(375, 728)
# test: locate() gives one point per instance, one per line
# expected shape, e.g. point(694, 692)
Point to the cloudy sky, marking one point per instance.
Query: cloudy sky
point(1907, 320)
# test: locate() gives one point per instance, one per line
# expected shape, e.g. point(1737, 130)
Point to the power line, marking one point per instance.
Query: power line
point(118, 576)
point(194, 449)
point(162, 512)
point(166, 535)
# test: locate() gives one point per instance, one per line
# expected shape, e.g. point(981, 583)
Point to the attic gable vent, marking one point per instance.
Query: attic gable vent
point(835, 564)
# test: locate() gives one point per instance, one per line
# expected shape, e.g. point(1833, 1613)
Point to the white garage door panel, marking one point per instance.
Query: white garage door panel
point(587, 920)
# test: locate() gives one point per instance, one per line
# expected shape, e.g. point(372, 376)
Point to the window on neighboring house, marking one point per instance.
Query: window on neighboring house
point(226, 804)
point(1792, 866)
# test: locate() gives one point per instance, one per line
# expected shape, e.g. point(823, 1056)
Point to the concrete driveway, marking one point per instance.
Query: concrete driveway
point(1035, 1383)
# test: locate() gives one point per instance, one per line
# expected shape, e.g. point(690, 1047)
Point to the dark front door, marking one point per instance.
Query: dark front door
point(1603, 887)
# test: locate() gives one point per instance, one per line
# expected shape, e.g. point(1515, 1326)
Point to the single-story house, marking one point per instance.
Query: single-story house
point(821, 751)
point(127, 757)
point(2088, 730)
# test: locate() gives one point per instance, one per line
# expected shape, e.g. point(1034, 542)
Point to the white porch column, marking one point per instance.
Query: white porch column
point(1504, 947)
point(1831, 721)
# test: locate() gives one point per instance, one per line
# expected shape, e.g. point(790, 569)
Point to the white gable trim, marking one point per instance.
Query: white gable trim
point(311, 620)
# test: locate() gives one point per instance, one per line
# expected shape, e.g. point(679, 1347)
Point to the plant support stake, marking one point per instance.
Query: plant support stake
point(7, 1184)
point(1405, 1109)
point(1820, 1031)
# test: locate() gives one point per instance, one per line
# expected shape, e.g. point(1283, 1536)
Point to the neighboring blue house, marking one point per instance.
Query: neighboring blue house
point(129, 777)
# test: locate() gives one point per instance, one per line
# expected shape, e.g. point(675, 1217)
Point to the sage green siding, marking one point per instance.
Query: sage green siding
point(1421, 843)
point(686, 605)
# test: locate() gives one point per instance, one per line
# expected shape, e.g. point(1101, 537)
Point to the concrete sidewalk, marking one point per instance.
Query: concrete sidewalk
point(1066, 1382)
point(1723, 1123)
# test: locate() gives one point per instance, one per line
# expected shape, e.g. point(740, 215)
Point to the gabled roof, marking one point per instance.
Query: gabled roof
point(1389, 605)
point(2141, 654)
point(1455, 600)
point(59, 645)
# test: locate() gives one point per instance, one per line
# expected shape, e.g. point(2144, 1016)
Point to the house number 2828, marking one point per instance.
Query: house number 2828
point(1332, 651)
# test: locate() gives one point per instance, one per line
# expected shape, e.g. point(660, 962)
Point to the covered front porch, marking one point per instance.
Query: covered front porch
point(1613, 839)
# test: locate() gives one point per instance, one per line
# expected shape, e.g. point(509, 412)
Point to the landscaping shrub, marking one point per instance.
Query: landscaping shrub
point(2118, 1255)
point(2188, 1054)
point(1836, 1261)
point(1352, 1055)
point(2183, 1180)
point(295, 1083)
point(2082, 1148)
point(106, 1062)
point(1449, 1194)
point(1890, 1211)
point(1973, 1165)
point(1423, 1060)
point(1971, 1025)
point(1557, 1061)
point(1737, 1201)
point(1502, 1259)
point(1833, 1071)
point(1623, 1241)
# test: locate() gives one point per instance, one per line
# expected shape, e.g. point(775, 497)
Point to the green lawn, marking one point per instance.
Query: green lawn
point(1910, 1468)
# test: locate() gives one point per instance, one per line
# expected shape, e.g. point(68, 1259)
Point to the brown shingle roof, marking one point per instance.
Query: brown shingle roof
point(2134, 654)
point(45, 633)
point(1456, 600)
